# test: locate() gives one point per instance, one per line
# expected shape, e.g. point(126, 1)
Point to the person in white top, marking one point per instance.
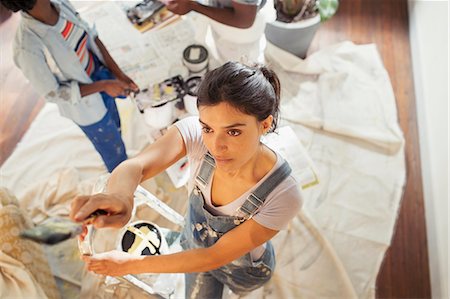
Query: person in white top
point(237, 26)
point(241, 192)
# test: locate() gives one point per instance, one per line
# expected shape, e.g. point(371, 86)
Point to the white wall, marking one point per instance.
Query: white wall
point(428, 22)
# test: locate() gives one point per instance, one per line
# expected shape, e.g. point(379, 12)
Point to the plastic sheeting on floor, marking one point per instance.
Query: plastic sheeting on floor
point(339, 102)
point(341, 105)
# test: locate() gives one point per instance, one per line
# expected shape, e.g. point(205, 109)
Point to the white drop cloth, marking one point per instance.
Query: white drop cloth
point(340, 103)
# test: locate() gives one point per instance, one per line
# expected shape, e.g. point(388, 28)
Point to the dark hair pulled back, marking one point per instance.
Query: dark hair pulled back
point(253, 90)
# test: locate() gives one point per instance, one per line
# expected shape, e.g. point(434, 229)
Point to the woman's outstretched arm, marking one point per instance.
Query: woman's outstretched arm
point(117, 200)
point(230, 246)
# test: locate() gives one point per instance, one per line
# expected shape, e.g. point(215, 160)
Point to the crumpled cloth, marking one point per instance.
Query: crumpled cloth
point(24, 270)
point(339, 102)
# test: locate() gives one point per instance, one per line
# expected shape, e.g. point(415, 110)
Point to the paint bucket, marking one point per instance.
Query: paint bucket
point(159, 117)
point(190, 104)
point(142, 238)
point(195, 58)
point(190, 99)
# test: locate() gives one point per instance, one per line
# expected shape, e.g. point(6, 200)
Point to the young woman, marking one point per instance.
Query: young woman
point(65, 61)
point(241, 192)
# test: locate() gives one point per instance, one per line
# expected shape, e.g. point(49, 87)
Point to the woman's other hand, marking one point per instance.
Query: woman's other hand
point(112, 263)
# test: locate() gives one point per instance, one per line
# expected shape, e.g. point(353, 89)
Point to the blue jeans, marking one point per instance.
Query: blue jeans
point(105, 134)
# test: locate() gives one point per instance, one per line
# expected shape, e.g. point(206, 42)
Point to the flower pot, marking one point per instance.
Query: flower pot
point(293, 37)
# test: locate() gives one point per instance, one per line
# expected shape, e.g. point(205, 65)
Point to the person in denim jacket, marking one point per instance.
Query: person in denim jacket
point(241, 193)
point(64, 60)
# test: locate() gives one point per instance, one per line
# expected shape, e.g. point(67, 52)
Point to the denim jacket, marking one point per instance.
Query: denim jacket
point(54, 69)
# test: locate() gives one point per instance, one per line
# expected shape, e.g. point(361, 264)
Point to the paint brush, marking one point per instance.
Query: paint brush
point(56, 230)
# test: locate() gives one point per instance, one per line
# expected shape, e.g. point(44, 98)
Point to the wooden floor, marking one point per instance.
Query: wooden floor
point(404, 273)
point(19, 104)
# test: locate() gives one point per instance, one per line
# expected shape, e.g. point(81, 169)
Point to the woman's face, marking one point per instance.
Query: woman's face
point(231, 136)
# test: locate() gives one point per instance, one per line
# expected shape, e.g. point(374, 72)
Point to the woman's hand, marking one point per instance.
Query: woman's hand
point(118, 208)
point(115, 88)
point(112, 263)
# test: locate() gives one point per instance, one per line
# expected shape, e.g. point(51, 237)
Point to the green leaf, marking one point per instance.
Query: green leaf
point(327, 8)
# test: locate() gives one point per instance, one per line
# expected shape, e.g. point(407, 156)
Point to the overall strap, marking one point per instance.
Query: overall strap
point(259, 195)
point(256, 198)
point(206, 170)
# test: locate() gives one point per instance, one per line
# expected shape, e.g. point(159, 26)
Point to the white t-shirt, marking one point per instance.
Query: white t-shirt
point(280, 206)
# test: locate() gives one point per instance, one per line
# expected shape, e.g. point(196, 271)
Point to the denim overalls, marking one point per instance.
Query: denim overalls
point(203, 229)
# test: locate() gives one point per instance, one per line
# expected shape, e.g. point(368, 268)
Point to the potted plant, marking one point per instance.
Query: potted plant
point(297, 22)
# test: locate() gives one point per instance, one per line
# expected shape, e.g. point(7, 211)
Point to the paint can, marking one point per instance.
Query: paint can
point(142, 238)
point(196, 58)
point(161, 116)
point(190, 98)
